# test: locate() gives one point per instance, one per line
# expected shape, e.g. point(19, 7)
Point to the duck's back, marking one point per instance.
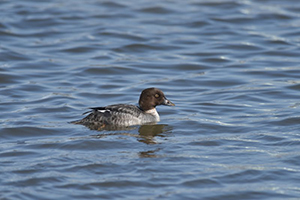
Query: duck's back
point(113, 115)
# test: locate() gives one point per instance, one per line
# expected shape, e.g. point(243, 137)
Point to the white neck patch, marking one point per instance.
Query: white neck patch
point(154, 113)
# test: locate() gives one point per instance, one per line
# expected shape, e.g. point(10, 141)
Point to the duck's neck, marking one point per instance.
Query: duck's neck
point(154, 113)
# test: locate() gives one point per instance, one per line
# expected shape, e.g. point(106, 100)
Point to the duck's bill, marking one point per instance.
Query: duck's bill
point(168, 103)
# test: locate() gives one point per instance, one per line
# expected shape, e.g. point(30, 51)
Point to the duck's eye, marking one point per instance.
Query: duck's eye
point(156, 95)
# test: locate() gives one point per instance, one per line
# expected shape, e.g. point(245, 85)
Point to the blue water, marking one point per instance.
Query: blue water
point(231, 68)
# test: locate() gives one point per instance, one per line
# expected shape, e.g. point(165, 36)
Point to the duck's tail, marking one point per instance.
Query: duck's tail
point(76, 122)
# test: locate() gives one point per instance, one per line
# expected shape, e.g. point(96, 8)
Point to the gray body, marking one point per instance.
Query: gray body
point(118, 114)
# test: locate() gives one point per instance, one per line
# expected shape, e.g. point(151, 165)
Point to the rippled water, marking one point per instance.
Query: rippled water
point(231, 68)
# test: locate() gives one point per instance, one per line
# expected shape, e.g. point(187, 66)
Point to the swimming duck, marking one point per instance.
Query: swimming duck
point(124, 115)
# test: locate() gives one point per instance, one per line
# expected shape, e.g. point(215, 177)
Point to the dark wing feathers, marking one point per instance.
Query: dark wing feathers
point(118, 108)
point(109, 113)
point(98, 108)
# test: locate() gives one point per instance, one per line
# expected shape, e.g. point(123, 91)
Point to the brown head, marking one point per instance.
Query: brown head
point(152, 97)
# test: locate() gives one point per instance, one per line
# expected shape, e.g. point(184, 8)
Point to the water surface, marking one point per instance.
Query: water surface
point(231, 68)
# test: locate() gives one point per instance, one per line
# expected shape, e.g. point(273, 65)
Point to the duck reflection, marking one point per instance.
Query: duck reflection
point(147, 133)
point(149, 154)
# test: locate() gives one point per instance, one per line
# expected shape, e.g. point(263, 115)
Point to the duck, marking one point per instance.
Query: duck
point(126, 115)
